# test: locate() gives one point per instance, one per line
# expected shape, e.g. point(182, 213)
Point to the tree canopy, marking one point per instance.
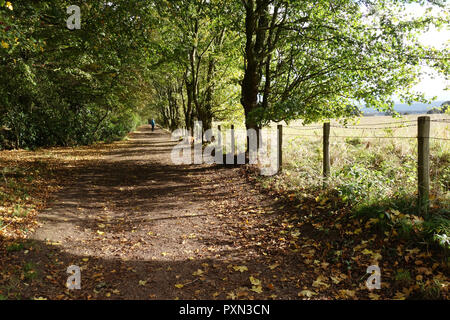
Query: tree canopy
point(182, 60)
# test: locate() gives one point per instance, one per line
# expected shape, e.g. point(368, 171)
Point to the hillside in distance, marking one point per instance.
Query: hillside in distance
point(414, 108)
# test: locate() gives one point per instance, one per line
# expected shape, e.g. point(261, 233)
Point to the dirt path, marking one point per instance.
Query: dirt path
point(140, 227)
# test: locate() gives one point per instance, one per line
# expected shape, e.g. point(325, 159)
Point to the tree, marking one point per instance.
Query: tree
point(196, 33)
point(309, 60)
point(62, 87)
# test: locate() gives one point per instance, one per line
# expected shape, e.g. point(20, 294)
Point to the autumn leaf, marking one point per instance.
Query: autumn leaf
point(179, 285)
point(142, 282)
point(376, 256)
point(320, 281)
point(306, 293)
point(240, 268)
point(399, 296)
point(374, 296)
point(254, 281)
point(198, 273)
point(231, 295)
point(273, 266)
point(347, 293)
point(335, 280)
point(257, 289)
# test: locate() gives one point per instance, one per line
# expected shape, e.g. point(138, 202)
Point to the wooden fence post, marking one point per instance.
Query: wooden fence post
point(326, 152)
point(258, 137)
point(233, 141)
point(219, 136)
point(423, 163)
point(280, 147)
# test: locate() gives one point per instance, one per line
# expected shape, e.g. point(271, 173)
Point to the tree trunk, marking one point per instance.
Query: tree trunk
point(255, 30)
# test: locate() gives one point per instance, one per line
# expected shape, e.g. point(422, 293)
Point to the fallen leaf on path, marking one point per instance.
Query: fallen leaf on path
point(231, 295)
point(320, 281)
point(399, 296)
point(254, 281)
point(306, 293)
point(257, 289)
point(347, 293)
point(374, 296)
point(273, 266)
point(198, 273)
point(240, 268)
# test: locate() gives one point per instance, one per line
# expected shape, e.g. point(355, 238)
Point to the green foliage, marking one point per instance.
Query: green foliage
point(403, 276)
point(353, 141)
point(431, 291)
point(182, 60)
point(29, 271)
point(61, 87)
point(437, 229)
point(360, 184)
point(15, 247)
point(310, 62)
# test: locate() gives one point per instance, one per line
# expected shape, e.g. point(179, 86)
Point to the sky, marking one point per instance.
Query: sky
point(432, 86)
point(435, 87)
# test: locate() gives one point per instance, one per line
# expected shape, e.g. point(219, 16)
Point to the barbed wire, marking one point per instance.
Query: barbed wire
point(359, 125)
point(383, 123)
point(304, 135)
point(399, 125)
point(441, 120)
point(303, 128)
point(374, 128)
point(361, 137)
point(435, 138)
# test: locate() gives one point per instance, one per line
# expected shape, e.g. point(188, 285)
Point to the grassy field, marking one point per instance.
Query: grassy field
point(356, 154)
point(373, 171)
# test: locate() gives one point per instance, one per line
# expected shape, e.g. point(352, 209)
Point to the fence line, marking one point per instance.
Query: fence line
point(374, 128)
point(423, 137)
point(356, 128)
point(362, 137)
point(423, 154)
point(304, 128)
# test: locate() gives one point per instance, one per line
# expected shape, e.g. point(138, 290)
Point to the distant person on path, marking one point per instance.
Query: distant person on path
point(152, 123)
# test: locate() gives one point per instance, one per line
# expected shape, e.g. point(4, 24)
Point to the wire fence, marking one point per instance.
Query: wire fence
point(423, 137)
point(368, 127)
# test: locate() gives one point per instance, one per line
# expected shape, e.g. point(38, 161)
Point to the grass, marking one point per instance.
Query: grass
point(29, 271)
point(403, 276)
point(15, 246)
point(375, 177)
